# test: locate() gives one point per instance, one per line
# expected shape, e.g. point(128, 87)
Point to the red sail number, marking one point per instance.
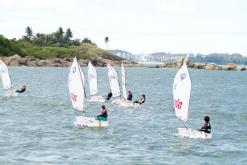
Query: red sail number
point(178, 104)
point(73, 97)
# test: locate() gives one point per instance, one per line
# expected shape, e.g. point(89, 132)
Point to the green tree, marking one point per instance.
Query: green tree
point(9, 47)
point(106, 41)
point(59, 34)
point(86, 40)
point(29, 33)
point(68, 34)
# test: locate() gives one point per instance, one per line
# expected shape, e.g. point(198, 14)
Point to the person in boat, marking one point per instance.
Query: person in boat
point(103, 115)
point(23, 89)
point(109, 95)
point(206, 127)
point(129, 95)
point(141, 100)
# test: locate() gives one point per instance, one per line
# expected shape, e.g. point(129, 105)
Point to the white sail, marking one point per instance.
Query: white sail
point(5, 76)
point(181, 93)
point(76, 86)
point(123, 83)
point(113, 80)
point(92, 79)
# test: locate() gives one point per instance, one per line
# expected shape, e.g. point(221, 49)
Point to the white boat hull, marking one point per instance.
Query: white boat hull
point(125, 103)
point(194, 134)
point(10, 93)
point(97, 99)
point(82, 121)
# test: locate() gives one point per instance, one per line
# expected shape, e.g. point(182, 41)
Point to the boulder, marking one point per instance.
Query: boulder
point(211, 66)
point(31, 61)
point(12, 60)
point(230, 67)
point(170, 64)
point(83, 63)
point(243, 69)
point(199, 66)
point(44, 63)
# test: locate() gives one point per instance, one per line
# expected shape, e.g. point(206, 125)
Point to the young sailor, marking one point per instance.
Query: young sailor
point(142, 100)
point(109, 95)
point(23, 89)
point(129, 96)
point(206, 127)
point(103, 115)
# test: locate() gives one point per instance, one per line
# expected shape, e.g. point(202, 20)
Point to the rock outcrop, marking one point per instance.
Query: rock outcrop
point(207, 66)
point(17, 60)
point(243, 69)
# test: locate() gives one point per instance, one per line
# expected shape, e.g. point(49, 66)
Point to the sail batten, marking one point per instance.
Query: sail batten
point(4, 72)
point(76, 86)
point(181, 93)
point(92, 79)
point(113, 80)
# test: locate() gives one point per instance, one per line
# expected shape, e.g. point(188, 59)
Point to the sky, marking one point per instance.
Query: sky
point(137, 26)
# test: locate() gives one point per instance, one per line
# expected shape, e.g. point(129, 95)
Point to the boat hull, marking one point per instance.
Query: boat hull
point(125, 103)
point(82, 121)
point(10, 93)
point(194, 134)
point(97, 99)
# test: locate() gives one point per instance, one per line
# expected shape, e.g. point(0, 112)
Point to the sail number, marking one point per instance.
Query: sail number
point(73, 97)
point(178, 104)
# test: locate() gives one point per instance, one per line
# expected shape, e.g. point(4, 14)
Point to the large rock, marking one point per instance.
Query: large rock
point(199, 66)
point(211, 66)
point(243, 69)
point(12, 60)
point(44, 63)
point(31, 61)
point(230, 67)
point(169, 64)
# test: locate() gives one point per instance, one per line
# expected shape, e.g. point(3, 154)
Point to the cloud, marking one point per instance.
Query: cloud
point(172, 8)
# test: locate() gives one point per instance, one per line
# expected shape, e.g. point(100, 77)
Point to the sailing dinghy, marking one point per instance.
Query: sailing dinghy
point(124, 102)
point(93, 84)
point(77, 96)
point(7, 85)
point(181, 98)
point(113, 80)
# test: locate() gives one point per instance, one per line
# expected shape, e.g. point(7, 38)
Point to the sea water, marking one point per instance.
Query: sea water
point(37, 126)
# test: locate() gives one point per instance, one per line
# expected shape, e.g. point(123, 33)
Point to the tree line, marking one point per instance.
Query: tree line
point(41, 44)
point(59, 38)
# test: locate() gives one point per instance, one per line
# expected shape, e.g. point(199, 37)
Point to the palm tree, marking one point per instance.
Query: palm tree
point(106, 41)
point(29, 33)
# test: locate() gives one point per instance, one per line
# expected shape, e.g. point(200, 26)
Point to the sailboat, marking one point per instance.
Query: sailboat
point(77, 96)
point(93, 84)
point(7, 85)
point(123, 101)
point(113, 80)
point(181, 98)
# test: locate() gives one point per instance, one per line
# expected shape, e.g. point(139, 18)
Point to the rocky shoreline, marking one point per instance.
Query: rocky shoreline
point(17, 60)
point(206, 66)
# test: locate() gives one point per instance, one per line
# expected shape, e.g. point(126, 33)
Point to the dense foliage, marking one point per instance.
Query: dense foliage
point(9, 47)
point(58, 44)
